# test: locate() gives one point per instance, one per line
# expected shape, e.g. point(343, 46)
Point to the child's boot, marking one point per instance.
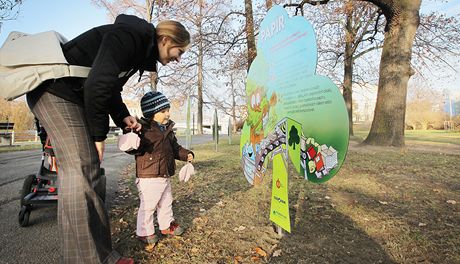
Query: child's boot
point(173, 230)
point(150, 240)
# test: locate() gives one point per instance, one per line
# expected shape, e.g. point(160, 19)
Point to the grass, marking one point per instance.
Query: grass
point(420, 136)
point(386, 205)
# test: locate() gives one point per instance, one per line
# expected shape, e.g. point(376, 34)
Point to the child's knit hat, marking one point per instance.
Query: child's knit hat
point(153, 102)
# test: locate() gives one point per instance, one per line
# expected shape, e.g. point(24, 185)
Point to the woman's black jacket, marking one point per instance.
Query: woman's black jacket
point(128, 45)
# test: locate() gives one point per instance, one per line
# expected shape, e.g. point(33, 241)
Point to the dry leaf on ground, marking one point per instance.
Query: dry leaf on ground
point(277, 253)
point(260, 251)
point(238, 229)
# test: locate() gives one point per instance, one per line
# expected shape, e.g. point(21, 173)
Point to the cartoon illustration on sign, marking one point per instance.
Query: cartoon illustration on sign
point(290, 108)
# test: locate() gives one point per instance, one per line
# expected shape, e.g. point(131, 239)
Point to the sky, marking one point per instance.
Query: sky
point(449, 7)
point(70, 18)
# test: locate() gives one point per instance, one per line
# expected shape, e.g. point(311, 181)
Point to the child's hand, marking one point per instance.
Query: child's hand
point(190, 157)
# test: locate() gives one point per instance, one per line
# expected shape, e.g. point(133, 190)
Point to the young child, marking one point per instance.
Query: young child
point(155, 164)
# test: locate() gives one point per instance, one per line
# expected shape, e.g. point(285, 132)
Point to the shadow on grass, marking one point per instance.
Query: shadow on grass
point(402, 199)
point(320, 234)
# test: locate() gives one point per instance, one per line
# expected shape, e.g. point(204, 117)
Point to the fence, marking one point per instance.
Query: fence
point(12, 137)
point(31, 136)
point(6, 133)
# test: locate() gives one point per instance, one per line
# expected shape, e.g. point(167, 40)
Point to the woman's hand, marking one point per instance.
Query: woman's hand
point(100, 146)
point(131, 122)
point(190, 157)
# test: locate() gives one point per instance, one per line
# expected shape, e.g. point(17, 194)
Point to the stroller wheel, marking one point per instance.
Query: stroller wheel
point(27, 187)
point(24, 216)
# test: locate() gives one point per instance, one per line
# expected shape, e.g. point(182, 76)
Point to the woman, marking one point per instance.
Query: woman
point(75, 113)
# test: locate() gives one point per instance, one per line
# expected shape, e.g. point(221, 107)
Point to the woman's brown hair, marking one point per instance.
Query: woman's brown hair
point(175, 31)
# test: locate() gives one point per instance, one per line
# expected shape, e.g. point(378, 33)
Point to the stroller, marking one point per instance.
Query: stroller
point(42, 187)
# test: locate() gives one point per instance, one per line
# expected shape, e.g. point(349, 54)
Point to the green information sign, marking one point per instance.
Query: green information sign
point(290, 105)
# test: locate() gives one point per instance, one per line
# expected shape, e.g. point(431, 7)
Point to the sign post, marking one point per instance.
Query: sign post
point(279, 207)
point(188, 136)
point(215, 130)
point(229, 128)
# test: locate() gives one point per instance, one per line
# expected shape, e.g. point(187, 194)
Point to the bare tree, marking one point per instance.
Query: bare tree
point(233, 101)
point(205, 20)
point(251, 41)
point(9, 10)
point(436, 42)
point(395, 70)
point(200, 47)
point(361, 26)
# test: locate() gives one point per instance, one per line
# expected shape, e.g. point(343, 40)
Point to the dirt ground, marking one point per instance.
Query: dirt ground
point(386, 205)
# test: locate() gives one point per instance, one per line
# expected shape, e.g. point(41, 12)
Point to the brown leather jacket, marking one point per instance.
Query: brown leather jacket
point(158, 150)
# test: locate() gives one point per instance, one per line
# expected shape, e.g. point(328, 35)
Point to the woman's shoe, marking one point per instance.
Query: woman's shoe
point(125, 261)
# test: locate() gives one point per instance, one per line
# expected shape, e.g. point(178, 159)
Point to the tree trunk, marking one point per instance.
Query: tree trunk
point(200, 90)
point(153, 76)
point(268, 4)
point(233, 104)
point(149, 4)
point(252, 52)
point(348, 68)
point(200, 75)
point(395, 70)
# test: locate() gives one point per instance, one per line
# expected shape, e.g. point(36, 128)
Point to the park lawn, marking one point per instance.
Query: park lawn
point(386, 205)
point(419, 136)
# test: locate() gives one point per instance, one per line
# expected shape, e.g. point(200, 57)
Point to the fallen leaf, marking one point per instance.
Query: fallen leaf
point(260, 251)
point(421, 224)
point(327, 197)
point(383, 202)
point(149, 247)
point(277, 253)
point(451, 202)
point(255, 259)
point(220, 204)
point(238, 259)
point(238, 229)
